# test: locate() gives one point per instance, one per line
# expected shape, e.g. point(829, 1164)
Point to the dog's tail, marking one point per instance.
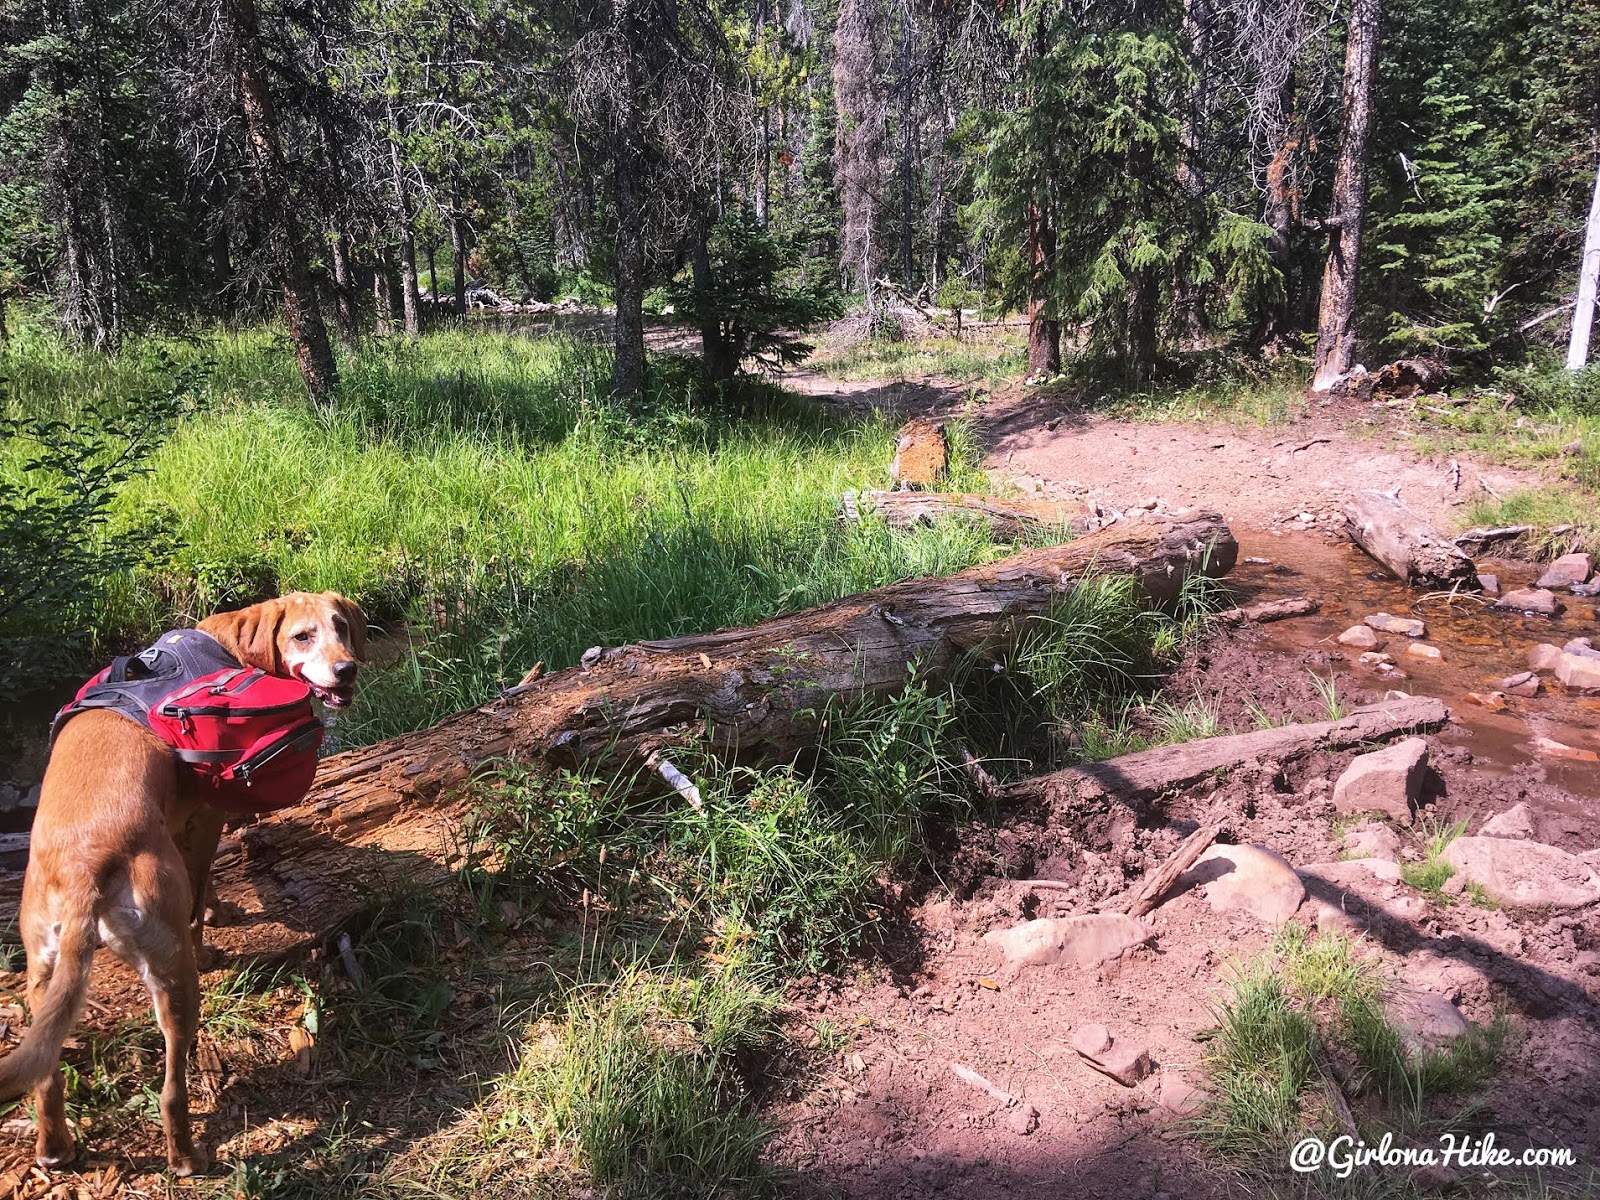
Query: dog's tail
point(40, 1049)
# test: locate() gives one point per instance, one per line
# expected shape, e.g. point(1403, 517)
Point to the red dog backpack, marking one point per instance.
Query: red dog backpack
point(249, 738)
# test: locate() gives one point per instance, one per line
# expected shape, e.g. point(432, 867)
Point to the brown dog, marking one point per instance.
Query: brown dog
point(121, 853)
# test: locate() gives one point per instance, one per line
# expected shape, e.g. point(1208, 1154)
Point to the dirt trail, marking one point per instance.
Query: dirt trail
point(894, 1118)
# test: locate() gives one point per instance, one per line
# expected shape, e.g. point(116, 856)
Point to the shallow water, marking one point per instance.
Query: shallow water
point(1480, 647)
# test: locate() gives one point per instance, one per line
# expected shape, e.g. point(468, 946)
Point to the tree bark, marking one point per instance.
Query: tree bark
point(1336, 320)
point(1588, 276)
point(382, 293)
point(286, 240)
point(1044, 332)
point(1149, 774)
point(390, 809)
point(411, 300)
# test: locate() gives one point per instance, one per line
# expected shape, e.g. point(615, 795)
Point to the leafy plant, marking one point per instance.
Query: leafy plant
point(57, 486)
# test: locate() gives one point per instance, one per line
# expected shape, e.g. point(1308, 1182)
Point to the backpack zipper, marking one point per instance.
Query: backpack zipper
point(296, 739)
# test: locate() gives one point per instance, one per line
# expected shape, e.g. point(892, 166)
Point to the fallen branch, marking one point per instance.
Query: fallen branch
point(1150, 773)
point(969, 1076)
point(1150, 892)
point(391, 814)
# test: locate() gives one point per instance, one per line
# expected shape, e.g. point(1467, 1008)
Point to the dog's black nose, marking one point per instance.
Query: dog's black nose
point(345, 672)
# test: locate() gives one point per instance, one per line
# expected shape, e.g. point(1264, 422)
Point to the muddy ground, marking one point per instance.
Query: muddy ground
point(874, 1107)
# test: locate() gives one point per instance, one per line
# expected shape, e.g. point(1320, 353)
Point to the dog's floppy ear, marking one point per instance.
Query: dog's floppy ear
point(357, 621)
point(251, 634)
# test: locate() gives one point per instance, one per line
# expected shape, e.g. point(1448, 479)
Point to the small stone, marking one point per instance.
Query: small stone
point(1454, 886)
point(1524, 874)
point(1123, 1060)
point(1425, 651)
point(1551, 748)
point(1434, 1177)
point(1332, 919)
point(1566, 571)
point(1023, 1119)
point(1247, 879)
point(1582, 647)
point(1406, 626)
point(1387, 781)
point(1578, 673)
point(1426, 1020)
point(1523, 683)
point(1375, 658)
point(1372, 839)
point(1090, 1039)
point(1544, 657)
point(1537, 602)
point(1490, 584)
point(1259, 562)
point(1493, 701)
point(1361, 636)
point(1178, 1095)
point(1515, 822)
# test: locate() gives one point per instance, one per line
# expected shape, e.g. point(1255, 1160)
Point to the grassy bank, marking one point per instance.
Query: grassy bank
point(484, 498)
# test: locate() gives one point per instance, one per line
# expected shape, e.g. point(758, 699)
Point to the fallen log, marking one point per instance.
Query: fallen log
point(1008, 520)
point(1264, 611)
point(1148, 774)
point(390, 811)
point(1407, 546)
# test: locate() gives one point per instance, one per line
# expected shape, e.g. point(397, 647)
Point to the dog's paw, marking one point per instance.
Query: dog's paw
point(219, 913)
point(54, 1155)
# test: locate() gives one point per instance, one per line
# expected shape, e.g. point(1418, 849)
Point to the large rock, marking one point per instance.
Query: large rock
point(1371, 839)
point(1516, 822)
point(1406, 626)
point(1566, 571)
point(1550, 748)
point(1578, 672)
point(1544, 657)
point(1524, 874)
point(1387, 781)
point(1247, 879)
point(1538, 601)
point(1581, 646)
point(1081, 941)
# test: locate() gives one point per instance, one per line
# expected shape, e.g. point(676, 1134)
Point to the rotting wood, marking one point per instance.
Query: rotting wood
point(1161, 880)
point(1407, 546)
point(1008, 520)
point(1150, 773)
point(1265, 611)
point(390, 814)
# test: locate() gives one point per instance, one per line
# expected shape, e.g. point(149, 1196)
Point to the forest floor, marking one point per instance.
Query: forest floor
point(416, 1080)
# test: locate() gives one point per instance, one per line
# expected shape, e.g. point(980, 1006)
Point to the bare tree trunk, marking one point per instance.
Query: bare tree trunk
point(1278, 214)
point(715, 354)
point(908, 171)
point(1044, 332)
point(1336, 320)
point(285, 238)
point(221, 267)
point(458, 244)
point(344, 289)
point(628, 366)
point(410, 298)
point(764, 170)
point(382, 292)
point(1588, 276)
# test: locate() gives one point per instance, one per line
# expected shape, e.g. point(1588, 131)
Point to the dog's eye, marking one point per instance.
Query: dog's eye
point(304, 636)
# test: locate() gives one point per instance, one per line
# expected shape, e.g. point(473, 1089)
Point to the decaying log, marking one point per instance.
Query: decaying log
point(1008, 520)
point(1150, 773)
point(387, 812)
point(1264, 611)
point(1407, 546)
point(1411, 377)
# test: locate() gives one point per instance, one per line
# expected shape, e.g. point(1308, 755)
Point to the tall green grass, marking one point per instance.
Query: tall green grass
point(487, 501)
